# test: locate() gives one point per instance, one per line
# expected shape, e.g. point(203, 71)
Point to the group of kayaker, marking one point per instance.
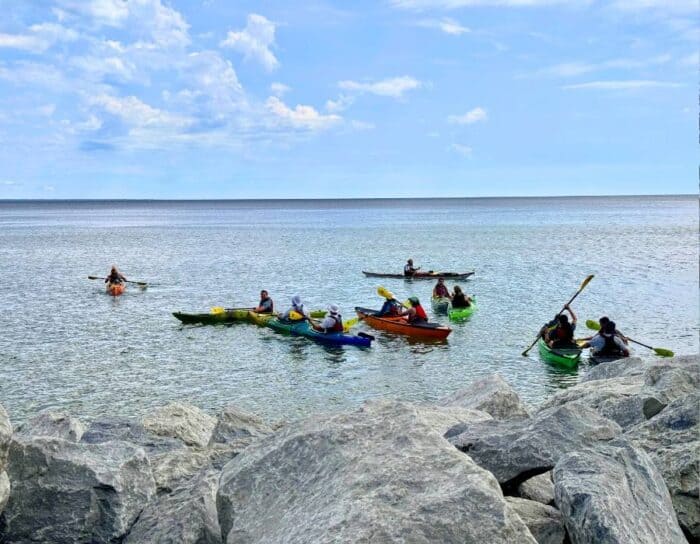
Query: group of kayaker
point(332, 322)
point(413, 311)
point(458, 299)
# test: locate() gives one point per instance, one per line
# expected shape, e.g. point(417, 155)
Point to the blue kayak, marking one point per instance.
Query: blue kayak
point(303, 328)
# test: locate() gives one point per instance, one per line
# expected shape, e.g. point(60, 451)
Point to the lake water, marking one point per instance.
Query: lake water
point(65, 344)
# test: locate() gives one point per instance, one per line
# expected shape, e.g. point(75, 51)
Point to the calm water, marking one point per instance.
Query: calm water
point(65, 344)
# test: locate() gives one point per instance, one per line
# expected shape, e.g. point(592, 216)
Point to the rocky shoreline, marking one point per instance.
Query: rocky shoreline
point(614, 459)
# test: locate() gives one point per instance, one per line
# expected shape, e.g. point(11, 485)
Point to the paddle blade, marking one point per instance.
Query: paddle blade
point(95, 278)
point(593, 325)
point(350, 323)
point(217, 310)
point(663, 352)
point(586, 282)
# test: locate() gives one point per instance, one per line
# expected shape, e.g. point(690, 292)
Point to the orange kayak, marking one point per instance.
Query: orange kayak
point(401, 326)
point(115, 289)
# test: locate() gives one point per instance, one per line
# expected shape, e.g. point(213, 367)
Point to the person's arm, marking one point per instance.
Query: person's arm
point(621, 345)
point(571, 313)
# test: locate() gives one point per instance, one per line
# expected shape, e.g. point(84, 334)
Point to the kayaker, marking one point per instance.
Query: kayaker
point(440, 290)
point(332, 323)
point(115, 276)
point(415, 313)
point(391, 306)
point(266, 305)
point(607, 342)
point(603, 321)
point(297, 312)
point(409, 270)
point(561, 335)
point(459, 299)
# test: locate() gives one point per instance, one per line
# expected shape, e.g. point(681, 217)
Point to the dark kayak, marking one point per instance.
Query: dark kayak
point(303, 328)
point(421, 275)
point(214, 318)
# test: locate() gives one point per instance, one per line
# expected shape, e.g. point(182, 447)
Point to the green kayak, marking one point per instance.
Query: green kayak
point(224, 317)
point(568, 358)
point(440, 304)
point(462, 314)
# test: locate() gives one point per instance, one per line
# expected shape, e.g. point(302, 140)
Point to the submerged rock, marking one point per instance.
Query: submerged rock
point(380, 474)
point(672, 440)
point(182, 421)
point(492, 395)
point(514, 451)
point(53, 425)
point(68, 492)
point(186, 516)
point(616, 497)
point(544, 522)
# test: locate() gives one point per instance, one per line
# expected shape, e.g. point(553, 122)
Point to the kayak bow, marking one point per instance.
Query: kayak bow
point(568, 358)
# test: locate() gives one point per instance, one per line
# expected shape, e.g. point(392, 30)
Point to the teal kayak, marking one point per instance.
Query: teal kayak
point(304, 328)
point(462, 314)
point(440, 304)
point(568, 358)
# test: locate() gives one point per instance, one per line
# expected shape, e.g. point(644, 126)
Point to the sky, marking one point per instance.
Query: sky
point(322, 99)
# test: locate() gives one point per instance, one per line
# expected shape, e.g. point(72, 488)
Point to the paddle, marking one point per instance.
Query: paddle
point(661, 352)
point(139, 283)
point(581, 288)
point(221, 309)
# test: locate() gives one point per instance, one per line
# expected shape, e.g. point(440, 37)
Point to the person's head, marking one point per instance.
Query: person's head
point(114, 269)
point(458, 290)
point(296, 301)
point(563, 319)
point(410, 261)
point(263, 294)
point(603, 321)
point(414, 301)
point(333, 309)
point(609, 329)
point(441, 281)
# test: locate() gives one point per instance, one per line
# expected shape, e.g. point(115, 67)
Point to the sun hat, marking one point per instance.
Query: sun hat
point(296, 300)
point(333, 308)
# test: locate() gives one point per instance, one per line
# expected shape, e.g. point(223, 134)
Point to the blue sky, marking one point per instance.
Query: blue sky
point(392, 98)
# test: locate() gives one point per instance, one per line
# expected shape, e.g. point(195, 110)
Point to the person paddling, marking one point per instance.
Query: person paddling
point(391, 306)
point(440, 290)
point(607, 342)
point(415, 313)
point(115, 276)
point(561, 335)
point(332, 323)
point(266, 305)
point(297, 312)
point(602, 322)
point(459, 299)
point(409, 270)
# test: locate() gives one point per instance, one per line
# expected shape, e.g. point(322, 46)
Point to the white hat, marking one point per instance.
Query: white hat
point(333, 308)
point(296, 300)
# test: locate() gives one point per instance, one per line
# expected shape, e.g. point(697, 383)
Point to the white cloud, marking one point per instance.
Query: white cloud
point(343, 102)
point(40, 37)
point(362, 125)
point(136, 113)
point(393, 87)
point(472, 116)
point(461, 149)
point(100, 66)
point(623, 85)
point(279, 89)
point(8, 182)
point(101, 12)
point(572, 69)
point(254, 41)
point(454, 4)
point(446, 25)
point(666, 6)
point(304, 117)
point(32, 73)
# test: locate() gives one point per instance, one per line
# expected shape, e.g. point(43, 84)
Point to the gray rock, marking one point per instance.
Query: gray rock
point(53, 425)
point(68, 492)
point(183, 421)
point(667, 383)
point(234, 424)
point(492, 395)
point(173, 467)
point(616, 497)
point(545, 523)
point(126, 430)
point(5, 436)
point(672, 440)
point(539, 488)
point(186, 516)
point(380, 474)
point(519, 449)
point(4, 490)
point(628, 366)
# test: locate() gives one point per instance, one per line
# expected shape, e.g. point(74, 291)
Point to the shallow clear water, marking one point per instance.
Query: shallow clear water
point(65, 344)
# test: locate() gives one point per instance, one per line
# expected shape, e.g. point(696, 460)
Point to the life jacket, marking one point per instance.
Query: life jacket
point(562, 333)
point(269, 309)
point(610, 347)
point(460, 301)
point(338, 326)
point(420, 313)
point(441, 291)
point(408, 270)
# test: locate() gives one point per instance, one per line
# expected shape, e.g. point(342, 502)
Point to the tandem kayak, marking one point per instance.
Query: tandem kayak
point(259, 319)
point(115, 289)
point(304, 328)
point(568, 358)
point(421, 275)
point(462, 314)
point(230, 315)
point(399, 325)
point(440, 304)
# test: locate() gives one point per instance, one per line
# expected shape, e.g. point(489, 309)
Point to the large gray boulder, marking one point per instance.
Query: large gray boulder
point(4, 490)
point(186, 516)
point(672, 440)
point(111, 429)
point(616, 497)
point(182, 421)
point(492, 395)
point(383, 473)
point(514, 451)
point(544, 522)
point(539, 488)
point(68, 492)
point(53, 425)
point(234, 424)
point(628, 366)
point(5, 436)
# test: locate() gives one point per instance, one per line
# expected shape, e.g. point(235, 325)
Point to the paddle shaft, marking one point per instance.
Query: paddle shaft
point(142, 283)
